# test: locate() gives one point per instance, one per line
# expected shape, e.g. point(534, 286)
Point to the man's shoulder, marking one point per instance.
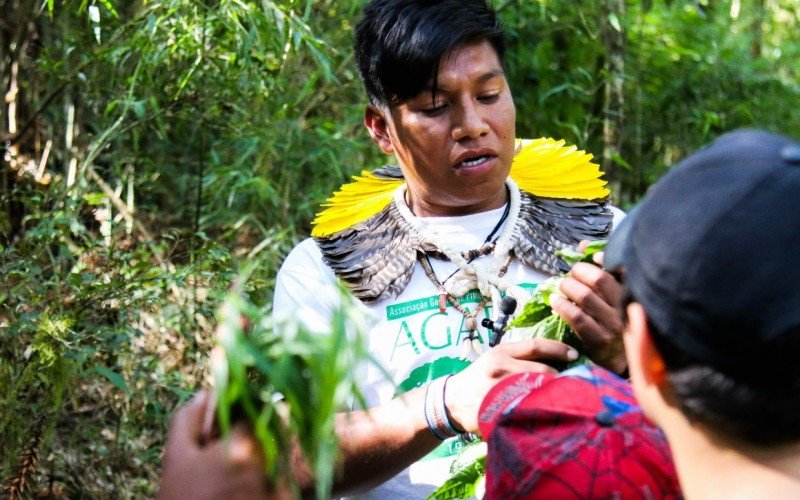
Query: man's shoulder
point(618, 215)
point(305, 288)
point(305, 264)
point(305, 255)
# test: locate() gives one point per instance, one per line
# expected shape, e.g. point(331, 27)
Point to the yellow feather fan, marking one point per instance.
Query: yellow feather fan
point(355, 202)
point(543, 167)
point(547, 168)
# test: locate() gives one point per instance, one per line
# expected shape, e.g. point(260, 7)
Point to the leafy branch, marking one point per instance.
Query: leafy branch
point(538, 315)
point(468, 472)
point(287, 382)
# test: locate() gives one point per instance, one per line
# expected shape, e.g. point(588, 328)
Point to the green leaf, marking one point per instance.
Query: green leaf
point(110, 7)
point(619, 160)
point(461, 484)
point(614, 20)
point(94, 199)
point(548, 288)
point(115, 378)
point(570, 255)
point(592, 248)
point(537, 313)
point(532, 312)
point(553, 327)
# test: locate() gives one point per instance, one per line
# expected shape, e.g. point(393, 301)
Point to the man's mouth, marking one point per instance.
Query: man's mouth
point(474, 161)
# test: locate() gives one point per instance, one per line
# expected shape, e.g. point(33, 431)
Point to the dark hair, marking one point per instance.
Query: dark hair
point(399, 43)
point(762, 415)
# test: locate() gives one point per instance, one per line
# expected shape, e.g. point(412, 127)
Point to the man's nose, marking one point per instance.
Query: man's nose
point(470, 122)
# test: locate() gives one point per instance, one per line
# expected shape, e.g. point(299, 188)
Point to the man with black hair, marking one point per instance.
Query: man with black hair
point(713, 314)
point(468, 216)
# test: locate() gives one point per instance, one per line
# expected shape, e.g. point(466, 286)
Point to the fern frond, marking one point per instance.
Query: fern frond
point(16, 486)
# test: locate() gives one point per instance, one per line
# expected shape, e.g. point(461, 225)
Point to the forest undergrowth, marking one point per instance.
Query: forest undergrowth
point(152, 149)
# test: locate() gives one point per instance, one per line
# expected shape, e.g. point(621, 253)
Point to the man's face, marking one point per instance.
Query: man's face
point(455, 147)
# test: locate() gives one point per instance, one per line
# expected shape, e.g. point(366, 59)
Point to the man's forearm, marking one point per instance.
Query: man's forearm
point(377, 444)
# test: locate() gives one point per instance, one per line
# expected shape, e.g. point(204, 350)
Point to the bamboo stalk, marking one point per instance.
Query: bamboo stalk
point(40, 173)
point(11, 100)
point(129, 200)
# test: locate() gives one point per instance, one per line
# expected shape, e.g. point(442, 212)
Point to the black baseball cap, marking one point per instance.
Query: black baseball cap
point(713, 255)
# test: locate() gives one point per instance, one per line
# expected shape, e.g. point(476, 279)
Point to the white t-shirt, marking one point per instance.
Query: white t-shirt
point(411, 339)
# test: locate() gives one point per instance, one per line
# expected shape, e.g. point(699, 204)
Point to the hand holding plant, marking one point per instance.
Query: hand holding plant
point(287, 384)
point(540, 322)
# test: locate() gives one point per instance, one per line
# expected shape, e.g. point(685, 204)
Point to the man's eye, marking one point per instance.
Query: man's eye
point(488, 99)
point(435, 110)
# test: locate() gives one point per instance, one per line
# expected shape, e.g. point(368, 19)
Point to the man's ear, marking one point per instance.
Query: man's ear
point(376, 123)
point(643, 357)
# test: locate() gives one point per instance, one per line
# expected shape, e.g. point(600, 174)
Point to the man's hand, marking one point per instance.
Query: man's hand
point(231, 469)
point(466, 390)
point(591, 309)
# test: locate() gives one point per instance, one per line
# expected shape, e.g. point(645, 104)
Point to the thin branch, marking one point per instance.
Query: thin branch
point(120, 205)
point(12, 139)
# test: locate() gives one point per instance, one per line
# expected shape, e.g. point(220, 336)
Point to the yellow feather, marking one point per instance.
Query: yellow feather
point(547, 168)
point(355, 202)
point(543, 167)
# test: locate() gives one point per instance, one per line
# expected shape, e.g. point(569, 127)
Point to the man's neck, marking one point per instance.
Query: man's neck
point(421, 207)
point(710, 467)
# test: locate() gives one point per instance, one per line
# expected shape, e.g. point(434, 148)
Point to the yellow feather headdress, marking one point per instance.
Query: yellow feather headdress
point(542, 167)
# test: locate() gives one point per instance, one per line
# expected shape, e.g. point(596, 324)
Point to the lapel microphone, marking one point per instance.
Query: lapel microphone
point(507, 307)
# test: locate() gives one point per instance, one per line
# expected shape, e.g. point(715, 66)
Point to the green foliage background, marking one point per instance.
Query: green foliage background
point(186, 138)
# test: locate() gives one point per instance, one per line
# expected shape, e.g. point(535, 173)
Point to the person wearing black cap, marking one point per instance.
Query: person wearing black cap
point(709, 260)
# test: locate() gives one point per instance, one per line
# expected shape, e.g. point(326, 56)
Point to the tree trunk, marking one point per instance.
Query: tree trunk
point(19, 158)
point(759, 15)
point(613, 34)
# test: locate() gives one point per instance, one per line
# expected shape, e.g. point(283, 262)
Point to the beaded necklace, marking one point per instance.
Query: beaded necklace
point(467, 276)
